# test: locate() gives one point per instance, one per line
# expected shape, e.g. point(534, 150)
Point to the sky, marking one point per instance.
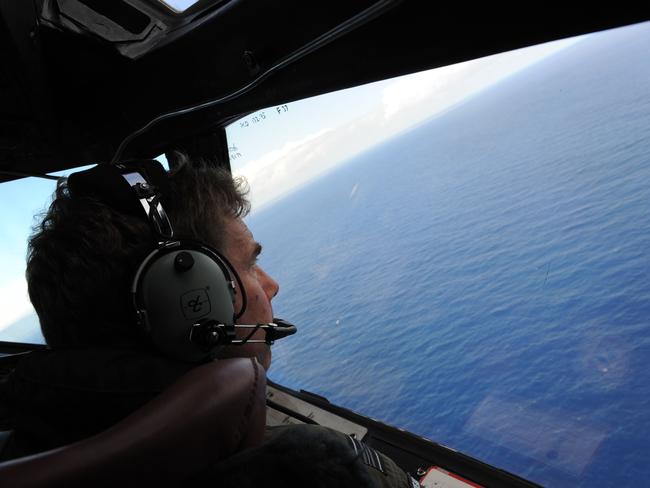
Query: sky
point(281, 148)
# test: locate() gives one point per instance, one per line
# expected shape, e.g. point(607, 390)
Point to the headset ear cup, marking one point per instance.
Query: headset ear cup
point(177, 286)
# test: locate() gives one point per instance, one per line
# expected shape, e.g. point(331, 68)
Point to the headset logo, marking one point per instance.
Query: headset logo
point(196, 303)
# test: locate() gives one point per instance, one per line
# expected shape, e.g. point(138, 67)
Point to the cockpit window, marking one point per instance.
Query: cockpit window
point(20, 201)
point(465, 253)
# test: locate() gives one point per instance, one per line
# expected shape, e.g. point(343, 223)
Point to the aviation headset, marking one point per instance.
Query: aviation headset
point(183, 292)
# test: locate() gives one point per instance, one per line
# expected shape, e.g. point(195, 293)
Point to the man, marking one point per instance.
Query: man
point(81, 263)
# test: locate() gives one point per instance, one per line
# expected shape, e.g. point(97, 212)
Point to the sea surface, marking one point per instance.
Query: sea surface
point(483, 279)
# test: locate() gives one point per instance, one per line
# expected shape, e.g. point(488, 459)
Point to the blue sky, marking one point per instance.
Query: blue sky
point(282, 148)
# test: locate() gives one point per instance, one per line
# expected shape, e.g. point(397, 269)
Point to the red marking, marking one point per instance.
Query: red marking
point(453, 475)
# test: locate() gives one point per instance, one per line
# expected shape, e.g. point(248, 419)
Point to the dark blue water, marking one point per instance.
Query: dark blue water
point(484, 279)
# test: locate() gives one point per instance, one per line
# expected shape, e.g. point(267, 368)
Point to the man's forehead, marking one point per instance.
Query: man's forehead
point(240, 238)
point(239, 231)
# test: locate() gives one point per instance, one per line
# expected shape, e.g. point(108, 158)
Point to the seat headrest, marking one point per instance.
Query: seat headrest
point(212, 412)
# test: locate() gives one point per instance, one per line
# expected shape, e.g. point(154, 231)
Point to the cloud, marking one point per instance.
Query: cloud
point(415, 97)
point(411, 90)
point(279, 171)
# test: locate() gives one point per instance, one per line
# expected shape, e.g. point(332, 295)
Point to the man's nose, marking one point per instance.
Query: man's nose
point(269, 285)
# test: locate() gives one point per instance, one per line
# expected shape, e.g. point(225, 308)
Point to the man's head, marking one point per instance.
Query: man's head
point(83, 256)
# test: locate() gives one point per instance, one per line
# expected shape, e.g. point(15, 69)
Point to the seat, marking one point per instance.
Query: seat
point(213, 411)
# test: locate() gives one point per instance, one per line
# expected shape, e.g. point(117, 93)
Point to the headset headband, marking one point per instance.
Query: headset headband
point(129, 188)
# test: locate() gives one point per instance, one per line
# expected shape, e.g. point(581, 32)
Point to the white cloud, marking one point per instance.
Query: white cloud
point(412, 98)
point(14, 302)
point(279, 171)
point(411, 90)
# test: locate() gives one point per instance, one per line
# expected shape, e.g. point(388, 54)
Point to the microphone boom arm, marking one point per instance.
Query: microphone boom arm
point(274, 330)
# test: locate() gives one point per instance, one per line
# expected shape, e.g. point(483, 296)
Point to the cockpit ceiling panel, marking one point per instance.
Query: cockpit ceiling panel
point(71, 94)
point(133, 28)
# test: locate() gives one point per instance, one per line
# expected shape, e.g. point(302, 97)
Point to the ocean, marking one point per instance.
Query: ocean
point(483, 280)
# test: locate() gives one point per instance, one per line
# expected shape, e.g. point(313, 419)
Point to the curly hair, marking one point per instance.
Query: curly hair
point(83, 255)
